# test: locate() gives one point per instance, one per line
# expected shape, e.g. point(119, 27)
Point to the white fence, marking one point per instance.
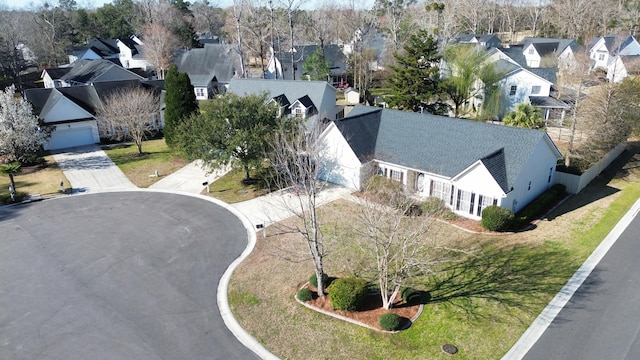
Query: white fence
point(575, 183)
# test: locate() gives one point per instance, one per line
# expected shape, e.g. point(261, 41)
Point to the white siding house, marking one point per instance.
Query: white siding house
point(467, 164)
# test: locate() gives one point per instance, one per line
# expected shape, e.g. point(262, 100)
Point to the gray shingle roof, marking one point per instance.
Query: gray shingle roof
point(548, 74)
point(292, 89)
point(437, 144)
point(89, 97)
point(88, 71)
point(214, 62)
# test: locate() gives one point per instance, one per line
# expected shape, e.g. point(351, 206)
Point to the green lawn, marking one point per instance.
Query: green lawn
point(156, 157)
point(40, 179)
point(231, 189)
point(482, 304)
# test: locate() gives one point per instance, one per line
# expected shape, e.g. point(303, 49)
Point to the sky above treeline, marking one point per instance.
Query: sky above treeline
point(89, 4)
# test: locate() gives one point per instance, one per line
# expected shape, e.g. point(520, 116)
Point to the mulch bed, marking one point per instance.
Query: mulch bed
point(371, 310)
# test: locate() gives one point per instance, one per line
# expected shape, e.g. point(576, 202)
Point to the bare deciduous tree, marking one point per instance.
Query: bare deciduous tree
point(296, 158)
point(400, 246)
point(130, 113)
point(159, 44)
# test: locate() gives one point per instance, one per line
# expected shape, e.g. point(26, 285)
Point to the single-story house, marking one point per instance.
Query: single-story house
point(469, 165)
point(72, 110)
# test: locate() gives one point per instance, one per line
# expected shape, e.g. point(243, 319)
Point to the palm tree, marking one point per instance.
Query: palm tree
point(11, 169)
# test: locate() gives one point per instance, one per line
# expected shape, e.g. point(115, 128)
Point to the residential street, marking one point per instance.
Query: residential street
point(601, 321)
point(118, 275)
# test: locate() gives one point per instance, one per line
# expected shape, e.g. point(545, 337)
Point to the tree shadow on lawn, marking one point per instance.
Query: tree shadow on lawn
point(522, 277)
point(599, 188)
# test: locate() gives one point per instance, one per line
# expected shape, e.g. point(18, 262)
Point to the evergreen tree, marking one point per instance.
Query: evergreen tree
point(180, 102)
point(316, 66)
point(416, 78)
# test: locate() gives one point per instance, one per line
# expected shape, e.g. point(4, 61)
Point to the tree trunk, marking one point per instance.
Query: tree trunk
point(246, 173)
point(12, 182)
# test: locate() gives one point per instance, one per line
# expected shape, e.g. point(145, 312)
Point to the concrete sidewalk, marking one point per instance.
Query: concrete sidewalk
point(277, 206)
point(189, 179)
point(88, 168)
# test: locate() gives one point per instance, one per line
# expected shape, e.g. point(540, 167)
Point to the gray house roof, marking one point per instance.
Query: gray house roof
point(213, 63)
point(292, 89)
point(89, 71)
point(88, 97)
point(332, 53)
point(545, 46)
point(438, 144)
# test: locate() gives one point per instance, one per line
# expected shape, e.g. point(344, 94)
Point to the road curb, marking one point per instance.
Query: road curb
point(546, 317)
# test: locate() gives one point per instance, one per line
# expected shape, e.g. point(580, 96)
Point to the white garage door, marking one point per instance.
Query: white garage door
point(70, 137)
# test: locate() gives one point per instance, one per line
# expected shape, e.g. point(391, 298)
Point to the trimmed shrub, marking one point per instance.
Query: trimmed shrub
point(390, 321)
point(313, 280)
point(433, 206)
point(305, 294)
point(496, 218)
point(348, 293)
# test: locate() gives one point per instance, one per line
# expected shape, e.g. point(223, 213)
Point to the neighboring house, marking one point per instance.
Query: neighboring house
point(51, 77)
point(85, 72)
point(127, 51)
point(369, 40)
point(311, 99)
point(210, 69)
point(561, 50)
point(72, 111)
point(518, 84)
point(283, 69)
point(623, 66)
point(485, 41)
point(511, 54)
point(603, 50)
point(468, 164)
point(130, 53)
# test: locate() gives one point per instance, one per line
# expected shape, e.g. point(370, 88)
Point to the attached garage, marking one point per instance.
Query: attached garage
point(71, 135)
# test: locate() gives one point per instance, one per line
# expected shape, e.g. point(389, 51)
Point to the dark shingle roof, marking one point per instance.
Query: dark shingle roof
point(548, 102)
point(281, 100)
point(57, 73)
point(214, 62)
point(437, 144)
point(88, 71)
point(292, 89)
point(89, 97)
point(548, 74)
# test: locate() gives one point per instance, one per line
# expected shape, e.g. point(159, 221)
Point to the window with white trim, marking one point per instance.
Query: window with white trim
point(531, 50)
point(200, 92)
point(395, 175)
point(601, 57)
point(441, 190)
point(513, 90)
point(464, 200)
point(535, 89)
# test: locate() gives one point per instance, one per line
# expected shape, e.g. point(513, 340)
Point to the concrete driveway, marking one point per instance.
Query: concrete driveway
point(116, 275)
point(89, 169)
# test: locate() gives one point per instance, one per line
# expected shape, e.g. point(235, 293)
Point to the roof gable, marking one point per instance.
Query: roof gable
point(89, 71)
point(203, 65)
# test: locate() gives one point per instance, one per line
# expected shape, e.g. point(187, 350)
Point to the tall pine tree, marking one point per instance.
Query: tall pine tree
point(180, 102)
point(416, 78)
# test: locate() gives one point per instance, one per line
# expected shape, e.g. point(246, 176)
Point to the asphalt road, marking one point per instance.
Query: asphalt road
point(602, 319)
point(125, 275)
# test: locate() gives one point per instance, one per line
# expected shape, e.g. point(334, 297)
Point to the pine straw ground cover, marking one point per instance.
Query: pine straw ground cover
point(482, 305)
